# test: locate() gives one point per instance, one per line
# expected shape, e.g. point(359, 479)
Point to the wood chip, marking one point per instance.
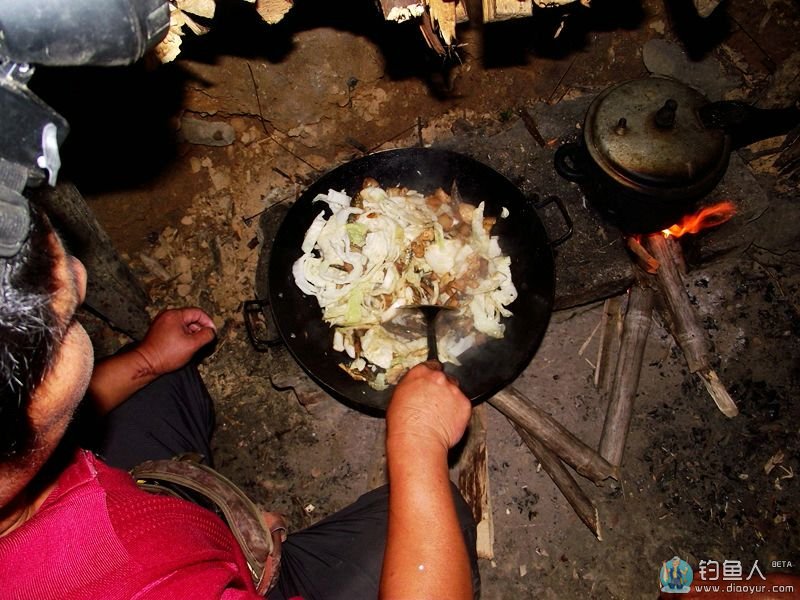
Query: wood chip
point(272, 11)
point(200, 8)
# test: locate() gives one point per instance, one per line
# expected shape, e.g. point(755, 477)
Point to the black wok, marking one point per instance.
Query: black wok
point(485, 369)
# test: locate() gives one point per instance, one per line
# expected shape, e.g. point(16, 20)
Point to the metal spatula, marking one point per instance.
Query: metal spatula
point(430, 312)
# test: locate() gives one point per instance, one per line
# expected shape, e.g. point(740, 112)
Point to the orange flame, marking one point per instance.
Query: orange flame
point(710, 216)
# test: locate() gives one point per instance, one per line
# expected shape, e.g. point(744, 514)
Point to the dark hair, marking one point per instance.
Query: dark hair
point(30, 331)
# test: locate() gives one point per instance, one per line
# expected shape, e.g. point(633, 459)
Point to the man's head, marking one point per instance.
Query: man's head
point(40, 289)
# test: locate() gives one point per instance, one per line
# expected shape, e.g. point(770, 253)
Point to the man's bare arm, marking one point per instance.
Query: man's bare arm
point(426, 556)
point(173, 338)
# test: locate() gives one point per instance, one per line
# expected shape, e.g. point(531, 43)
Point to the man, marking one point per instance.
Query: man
point(73, 527)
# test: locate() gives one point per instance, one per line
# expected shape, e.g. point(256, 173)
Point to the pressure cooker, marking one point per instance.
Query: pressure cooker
point(652, 148)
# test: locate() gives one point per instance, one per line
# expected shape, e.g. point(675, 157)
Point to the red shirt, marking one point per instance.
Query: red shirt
point(98, 536)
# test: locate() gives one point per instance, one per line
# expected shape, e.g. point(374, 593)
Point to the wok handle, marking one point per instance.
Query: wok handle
point(253, 312)
point(540, 204)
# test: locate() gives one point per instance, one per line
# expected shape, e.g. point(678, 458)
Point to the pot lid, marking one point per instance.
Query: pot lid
point(646, 134)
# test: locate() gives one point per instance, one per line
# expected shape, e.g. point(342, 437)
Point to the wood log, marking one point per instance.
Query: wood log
point(578, 500)
point(112, 291)
point(471, 474)
point(684, 322)
point(636, 327)
point(500, 10)
point(522, 411)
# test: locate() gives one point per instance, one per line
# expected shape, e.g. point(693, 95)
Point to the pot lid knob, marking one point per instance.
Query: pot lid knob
point(665, 117)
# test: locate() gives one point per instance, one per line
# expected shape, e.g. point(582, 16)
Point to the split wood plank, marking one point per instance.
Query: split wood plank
point(443, 16)
point(608, 348)
point(471, 473)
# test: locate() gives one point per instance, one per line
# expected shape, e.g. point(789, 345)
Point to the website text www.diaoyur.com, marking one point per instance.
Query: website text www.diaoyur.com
point(745, 588)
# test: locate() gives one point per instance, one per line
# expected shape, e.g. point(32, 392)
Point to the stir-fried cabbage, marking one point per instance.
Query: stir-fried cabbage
point(390, 248)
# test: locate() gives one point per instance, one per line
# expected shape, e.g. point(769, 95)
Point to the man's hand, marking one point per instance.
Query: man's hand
point(173, 338)
point(427, 409)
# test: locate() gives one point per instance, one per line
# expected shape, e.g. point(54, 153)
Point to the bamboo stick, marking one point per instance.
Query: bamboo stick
point(687, 330)
point(636, 327)
point(610, 334)
point(685, 326)
point(578, 500)
point(523, 412)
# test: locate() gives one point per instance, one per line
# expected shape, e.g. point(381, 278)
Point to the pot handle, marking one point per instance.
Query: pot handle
point(540, 204)
point(255, 318)
point(570, 162)
point(747, 124)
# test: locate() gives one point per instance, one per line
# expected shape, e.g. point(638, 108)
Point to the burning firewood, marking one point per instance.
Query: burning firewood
point(686, 328)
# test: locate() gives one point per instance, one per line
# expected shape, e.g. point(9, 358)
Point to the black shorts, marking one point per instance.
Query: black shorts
point(339, 557)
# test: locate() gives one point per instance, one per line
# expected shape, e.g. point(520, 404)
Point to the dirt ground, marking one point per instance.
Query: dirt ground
point(320, 88)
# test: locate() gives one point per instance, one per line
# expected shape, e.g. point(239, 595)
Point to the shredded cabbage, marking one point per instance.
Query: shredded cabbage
point(390, 248)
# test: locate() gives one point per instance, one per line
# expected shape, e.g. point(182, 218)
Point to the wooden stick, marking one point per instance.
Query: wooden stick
point(686, 328)
point(643, 258)
point(636, 326)
point(522, 411)
point(471, 474)
point(583, 507)
point(443, 16)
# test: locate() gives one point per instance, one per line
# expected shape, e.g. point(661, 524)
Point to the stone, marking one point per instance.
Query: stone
point(206, 133)
point(661, 57)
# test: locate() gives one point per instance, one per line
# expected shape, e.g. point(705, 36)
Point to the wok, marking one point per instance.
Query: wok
point(486, 368)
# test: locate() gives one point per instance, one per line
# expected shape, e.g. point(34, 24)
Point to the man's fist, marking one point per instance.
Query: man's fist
point(427, 410)
point(173, 338)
